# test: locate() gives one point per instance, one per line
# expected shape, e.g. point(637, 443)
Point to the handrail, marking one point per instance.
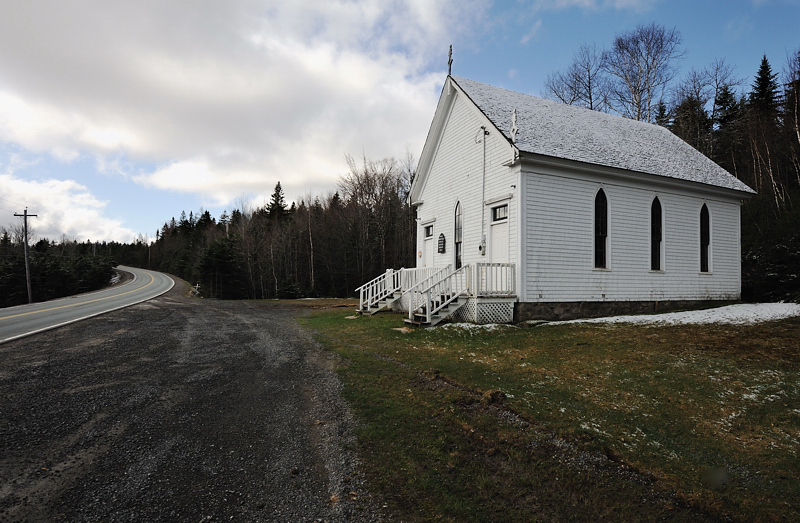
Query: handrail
point(392, 281)
point(382, 275)
point(434, 276)
point(379, 288)
point(478, 279)
point(440, 294)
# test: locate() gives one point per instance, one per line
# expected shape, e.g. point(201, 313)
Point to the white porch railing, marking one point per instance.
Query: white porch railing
point(431, 289)
point(412, 278)
point(378, 289)
point(492, 279)
point(441, 293)
point(432, 275)
point(392, 281)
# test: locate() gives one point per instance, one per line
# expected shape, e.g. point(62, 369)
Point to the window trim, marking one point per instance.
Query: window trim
point(427, 231)
point(705, 241)
point(496, 199)
point(458, 231)
point(600, 231)
point(494, 210)
point(657, 249)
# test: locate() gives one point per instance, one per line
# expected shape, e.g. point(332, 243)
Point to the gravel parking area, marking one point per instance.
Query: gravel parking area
point(176, 409)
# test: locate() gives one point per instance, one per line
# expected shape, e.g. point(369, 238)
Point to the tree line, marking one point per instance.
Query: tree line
point(323, 246)
point(750, 129)
point(57, 269)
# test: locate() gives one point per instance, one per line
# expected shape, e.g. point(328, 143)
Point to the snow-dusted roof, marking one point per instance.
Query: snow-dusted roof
point(564, 131)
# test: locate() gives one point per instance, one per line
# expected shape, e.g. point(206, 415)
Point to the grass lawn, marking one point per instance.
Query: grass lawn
point(574, 422)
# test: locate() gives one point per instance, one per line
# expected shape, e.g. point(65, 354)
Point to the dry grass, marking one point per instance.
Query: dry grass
point(689, 422)
point(310, 303)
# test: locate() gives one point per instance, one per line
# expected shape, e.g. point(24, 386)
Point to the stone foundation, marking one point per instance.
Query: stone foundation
point(596, 309)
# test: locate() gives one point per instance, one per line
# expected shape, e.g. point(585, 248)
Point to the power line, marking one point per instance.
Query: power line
point(11, 201)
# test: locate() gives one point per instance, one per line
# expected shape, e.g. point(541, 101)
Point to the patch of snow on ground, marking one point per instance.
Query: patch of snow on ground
point(472, 326)
point(740, 314)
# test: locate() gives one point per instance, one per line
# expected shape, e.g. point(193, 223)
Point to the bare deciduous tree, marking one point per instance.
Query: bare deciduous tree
point(376, 189)
point(583, 83)
point(559, 86)
point(791, 112)
point(17, 232)
point(640, 64)
point(720, 77)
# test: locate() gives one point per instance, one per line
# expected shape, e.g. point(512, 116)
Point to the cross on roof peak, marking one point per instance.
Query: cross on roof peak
point(450, 60)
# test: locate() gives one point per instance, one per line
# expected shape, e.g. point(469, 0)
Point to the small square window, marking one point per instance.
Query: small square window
point(429, 231)
point(500, 213)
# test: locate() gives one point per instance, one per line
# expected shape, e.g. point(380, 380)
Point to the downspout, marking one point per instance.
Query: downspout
point(482, 246)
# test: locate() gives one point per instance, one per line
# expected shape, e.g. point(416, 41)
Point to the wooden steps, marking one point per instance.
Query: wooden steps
point(420, 319)
point(382, 305)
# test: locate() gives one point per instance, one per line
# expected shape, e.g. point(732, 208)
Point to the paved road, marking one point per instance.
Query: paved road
point(176, 409)
point(24, 320)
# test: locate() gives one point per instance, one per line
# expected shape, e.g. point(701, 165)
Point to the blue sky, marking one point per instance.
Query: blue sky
point(116, 116)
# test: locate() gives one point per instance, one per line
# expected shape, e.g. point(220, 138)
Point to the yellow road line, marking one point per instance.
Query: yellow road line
point(152, 279)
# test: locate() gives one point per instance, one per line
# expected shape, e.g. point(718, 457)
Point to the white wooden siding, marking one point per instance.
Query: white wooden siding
point(559, 243)
point(554, 207)
point(456, 175)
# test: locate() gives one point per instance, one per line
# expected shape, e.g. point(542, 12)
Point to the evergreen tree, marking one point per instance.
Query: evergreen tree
point(220, 272)
point(56, 271)
point(205, 221)
point(764, 96)
point(727, 108)
point(692, 123)
point(727, 133)
point(662, 115)
point(277, 203)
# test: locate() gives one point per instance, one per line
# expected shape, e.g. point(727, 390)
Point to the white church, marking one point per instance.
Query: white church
point(532, 209)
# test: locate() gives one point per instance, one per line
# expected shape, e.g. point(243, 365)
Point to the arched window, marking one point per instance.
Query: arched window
point(655, 235)
point(705, 239)
point(600, 230)
point(457, 235)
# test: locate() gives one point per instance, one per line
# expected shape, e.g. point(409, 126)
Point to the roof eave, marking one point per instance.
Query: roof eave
point(431, 141)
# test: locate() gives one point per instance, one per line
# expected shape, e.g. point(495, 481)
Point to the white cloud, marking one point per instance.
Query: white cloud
point(530, 34)
point(227, 97)
point(63, 208)
point(44, 128)
point(558, 5)
point(633, 5)
point(736, 28)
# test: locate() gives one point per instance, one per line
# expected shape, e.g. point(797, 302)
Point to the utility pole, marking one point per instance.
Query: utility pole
point(27, 259)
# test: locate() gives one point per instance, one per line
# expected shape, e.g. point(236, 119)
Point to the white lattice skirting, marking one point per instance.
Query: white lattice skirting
point(486, 310)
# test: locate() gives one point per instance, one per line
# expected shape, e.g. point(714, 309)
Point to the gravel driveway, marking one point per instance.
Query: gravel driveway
point(176, 409)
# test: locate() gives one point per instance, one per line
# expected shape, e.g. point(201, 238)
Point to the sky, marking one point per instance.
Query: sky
point(115, 116)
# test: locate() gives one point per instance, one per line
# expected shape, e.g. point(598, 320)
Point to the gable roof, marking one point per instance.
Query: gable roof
point(574, 133)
